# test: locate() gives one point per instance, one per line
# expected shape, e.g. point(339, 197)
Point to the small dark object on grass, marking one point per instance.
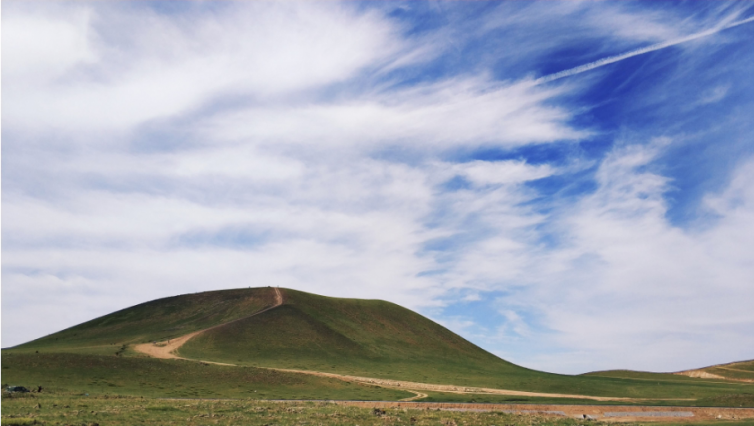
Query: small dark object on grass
point(378, 412)
point(17, 389)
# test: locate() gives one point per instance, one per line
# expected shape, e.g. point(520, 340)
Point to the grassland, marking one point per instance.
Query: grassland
point(717, 400)
point(112, 375)
point(67, 409)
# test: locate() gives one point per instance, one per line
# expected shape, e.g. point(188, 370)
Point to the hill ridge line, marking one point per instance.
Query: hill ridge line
point(165, 350)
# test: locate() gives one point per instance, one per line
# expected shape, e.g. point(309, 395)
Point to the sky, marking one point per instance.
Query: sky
point(569, 185)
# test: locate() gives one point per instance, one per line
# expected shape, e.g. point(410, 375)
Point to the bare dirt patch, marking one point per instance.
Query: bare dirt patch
point(166, 349)
point(607, 413)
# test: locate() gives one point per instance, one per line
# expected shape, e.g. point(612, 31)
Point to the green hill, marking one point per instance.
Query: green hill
point(370, 338)
point(351, 336)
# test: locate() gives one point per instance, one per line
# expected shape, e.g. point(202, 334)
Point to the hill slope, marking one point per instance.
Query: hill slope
point(351, 336)
point(369, 338)
point(742, 371)
point(157, 320)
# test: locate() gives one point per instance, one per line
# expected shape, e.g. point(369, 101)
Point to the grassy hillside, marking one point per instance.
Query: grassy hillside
point(156, 320)
point(363, 337)
point(742, 371)
point(369, 338)
point(736, 371)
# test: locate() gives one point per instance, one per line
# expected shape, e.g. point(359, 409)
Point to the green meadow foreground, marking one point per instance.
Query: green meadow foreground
point(341, 349)
point(66, 409)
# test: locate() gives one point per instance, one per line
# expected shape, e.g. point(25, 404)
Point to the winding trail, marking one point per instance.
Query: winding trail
point(417, 386)
point(417, 396)
point(166, 350)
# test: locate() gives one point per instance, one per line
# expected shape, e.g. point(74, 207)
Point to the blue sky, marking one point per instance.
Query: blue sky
point(418, 152)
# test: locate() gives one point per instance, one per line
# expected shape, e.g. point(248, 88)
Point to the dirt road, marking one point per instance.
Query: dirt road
point(166, 349)
point(416, 386)
point(417, 396)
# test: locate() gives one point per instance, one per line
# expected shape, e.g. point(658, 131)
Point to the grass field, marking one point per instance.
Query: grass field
point(67, 409)
point(111, 375)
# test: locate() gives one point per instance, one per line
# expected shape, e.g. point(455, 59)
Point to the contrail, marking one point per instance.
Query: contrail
point(652, 48)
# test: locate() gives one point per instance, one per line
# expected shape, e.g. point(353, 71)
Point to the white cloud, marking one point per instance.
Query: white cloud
point(714, 95)
point(153, 66)
point(652, 285)
point(435, 116)
point(503, 172)
point(42, 44)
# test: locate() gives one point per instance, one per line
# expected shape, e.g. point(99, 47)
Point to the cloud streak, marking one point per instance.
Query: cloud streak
point(658, 46)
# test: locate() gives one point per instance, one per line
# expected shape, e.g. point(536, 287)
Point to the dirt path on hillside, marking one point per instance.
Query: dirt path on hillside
point(736, 369)
point(702, 374)
point(166, 349)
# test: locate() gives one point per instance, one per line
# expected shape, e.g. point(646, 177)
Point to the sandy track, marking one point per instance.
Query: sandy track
point(703, 373)
point(417, 395)
point(166, 349)
point(416, 386)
